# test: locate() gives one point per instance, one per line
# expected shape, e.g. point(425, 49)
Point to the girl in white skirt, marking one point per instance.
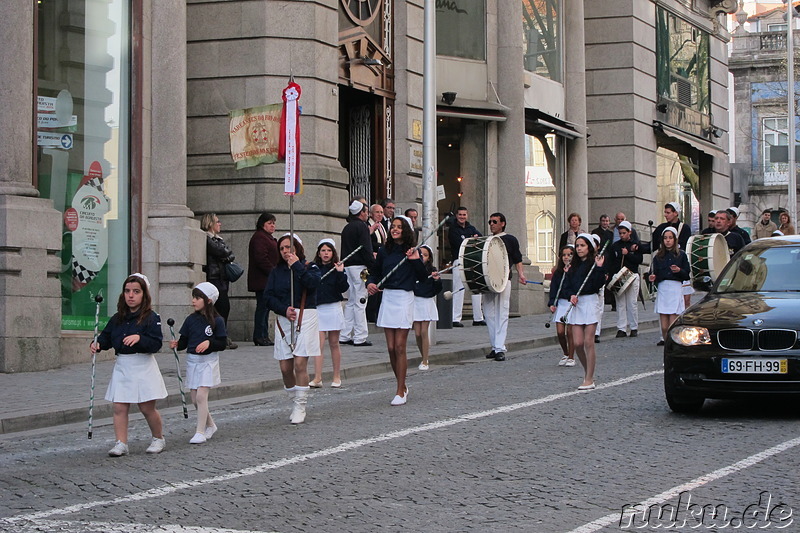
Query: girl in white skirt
point(396, 314)
point(135, 334)
point(425, 310)
point(581, 286)
point(559, 303)
point(329, 309)
point(203, 335)
point(669, 270)
point(296, 325)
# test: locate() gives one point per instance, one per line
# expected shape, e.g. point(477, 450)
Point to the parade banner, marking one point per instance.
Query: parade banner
point(255, 135)
point(289, 148)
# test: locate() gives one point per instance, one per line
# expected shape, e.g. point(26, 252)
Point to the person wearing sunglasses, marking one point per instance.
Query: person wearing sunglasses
point(496, 305)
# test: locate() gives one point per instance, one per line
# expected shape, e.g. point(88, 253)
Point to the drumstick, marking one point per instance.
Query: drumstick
point(351, 254)
point(588, 274)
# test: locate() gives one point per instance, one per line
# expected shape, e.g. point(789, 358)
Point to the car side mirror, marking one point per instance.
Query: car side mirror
point(745, 267)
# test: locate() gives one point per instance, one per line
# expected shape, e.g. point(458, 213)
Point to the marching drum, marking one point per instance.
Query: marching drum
point(708, 255)
point(483, 264)
point(621, 281)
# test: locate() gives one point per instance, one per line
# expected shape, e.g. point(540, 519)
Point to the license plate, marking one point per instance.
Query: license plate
point(754, 366)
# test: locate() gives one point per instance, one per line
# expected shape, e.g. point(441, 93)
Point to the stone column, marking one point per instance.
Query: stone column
point(30, 229)
point(173, 246)
point(511, 146)
point(577, 193)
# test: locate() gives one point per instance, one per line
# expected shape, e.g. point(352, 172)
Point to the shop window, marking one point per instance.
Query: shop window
point(83, 132)
point(461, 28)
point(541, 21)
point(682, 62)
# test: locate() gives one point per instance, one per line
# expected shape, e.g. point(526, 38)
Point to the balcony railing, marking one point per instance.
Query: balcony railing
point(764, 42)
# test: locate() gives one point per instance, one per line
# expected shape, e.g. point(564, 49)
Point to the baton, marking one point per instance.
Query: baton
point(381, 282)
point(351, 254)
point(170, 323)
point(99, 299)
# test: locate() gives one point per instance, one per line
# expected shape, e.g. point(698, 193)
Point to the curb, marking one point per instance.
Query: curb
point(75, 414)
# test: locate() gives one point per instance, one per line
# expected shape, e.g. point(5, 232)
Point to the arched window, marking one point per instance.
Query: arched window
point(544, 238)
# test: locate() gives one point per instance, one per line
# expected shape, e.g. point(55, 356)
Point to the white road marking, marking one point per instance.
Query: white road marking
point(674, 492)
point(75, 526)
point(344, 447)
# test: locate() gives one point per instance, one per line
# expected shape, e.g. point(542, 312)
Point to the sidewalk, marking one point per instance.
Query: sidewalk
point(32, 400)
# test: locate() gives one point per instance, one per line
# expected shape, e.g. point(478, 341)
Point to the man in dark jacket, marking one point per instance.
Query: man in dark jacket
point(734, 212)
point(263, 256)
point(459, 230)
point(356, 233)
point(604, 231)
point(625, 253)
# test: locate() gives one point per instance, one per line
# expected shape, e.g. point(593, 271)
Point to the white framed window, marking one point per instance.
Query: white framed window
point(544, 238)
point(774, 132)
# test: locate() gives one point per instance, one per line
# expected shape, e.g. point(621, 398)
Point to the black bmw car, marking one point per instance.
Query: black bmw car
point(741, 339)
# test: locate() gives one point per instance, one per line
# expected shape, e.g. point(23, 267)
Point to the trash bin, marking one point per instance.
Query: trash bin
point(445, 307)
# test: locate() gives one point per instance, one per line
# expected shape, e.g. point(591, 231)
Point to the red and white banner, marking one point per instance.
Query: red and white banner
point(289, 147)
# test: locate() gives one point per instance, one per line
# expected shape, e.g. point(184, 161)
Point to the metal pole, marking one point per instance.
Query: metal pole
point(792, 199)
point(291, 272)
point(429, 212)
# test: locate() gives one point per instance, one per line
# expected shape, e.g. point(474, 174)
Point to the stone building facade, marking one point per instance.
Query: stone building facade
point(116, 137)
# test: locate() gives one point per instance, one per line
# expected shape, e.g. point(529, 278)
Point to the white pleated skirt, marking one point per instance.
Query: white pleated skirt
point(669, 300)
point(585, 312)
point(202, 370)
point(687, 288)
point(306, 341)
point(425, 309)
point(397, 309)
point(136, 378)
point(561, 309)
point(331, 316)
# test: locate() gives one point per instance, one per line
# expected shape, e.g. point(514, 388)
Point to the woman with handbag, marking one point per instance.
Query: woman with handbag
point(218, 257)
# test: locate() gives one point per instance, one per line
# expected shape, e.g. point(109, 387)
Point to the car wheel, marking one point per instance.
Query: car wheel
point(681, 403)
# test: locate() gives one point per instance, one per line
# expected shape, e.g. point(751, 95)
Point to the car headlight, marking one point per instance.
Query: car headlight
point(690, 335)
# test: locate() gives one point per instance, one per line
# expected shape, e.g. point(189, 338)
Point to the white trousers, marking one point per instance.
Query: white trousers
point(458, 300)
point(355, 312)
point(627, 307)
point(496, 307)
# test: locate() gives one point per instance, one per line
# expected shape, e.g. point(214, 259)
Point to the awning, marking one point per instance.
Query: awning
point(695, 142)
point(538, 122)
point(473, 109)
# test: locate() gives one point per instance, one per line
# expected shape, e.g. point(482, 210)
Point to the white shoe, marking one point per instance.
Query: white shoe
point(423, 366)
point(299, 410)
point(199, 438)
point(563, 360)
point(156, 445)
point(400, 400)
point(119, 449)
point(210, 430)
point(569, 362)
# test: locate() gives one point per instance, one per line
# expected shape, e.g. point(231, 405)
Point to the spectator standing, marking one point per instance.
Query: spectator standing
point(263, 256)
point(218, 254)
point(764, 227)
point(459, 230)
point(569, 236)
point(786, 226)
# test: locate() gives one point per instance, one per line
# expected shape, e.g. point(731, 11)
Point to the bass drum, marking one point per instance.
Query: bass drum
point(483, 264)
point(708, 255)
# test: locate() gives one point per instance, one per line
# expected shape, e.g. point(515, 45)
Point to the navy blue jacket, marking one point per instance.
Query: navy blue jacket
point(428, 287)
point(331, 288)
point(405, 277)
point(120, 327)
point(555, 283)
point(354, 233)
point(615, 261)
point(456, 235)
point(575, 276)
point(196, 329)
point(279, 288)
point(661, 267)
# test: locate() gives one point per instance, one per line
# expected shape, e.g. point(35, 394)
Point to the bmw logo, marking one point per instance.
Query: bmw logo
point(758, 322)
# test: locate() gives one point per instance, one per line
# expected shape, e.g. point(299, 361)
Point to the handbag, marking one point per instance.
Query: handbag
point(233, 271)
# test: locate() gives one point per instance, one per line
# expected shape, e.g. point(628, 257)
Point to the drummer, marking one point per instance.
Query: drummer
point(496, 305)
point(626, 254)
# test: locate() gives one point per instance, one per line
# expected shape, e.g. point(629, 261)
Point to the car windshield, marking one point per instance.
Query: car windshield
point(772, 269)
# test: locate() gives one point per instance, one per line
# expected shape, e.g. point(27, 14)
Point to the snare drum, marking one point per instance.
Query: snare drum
point(621, 281)
point(483, 264)
point(708, 254)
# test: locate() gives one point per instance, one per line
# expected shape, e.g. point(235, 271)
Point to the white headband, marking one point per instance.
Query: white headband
point(406, 219)
point(356, 207)
point(146, 281)
point(588, 237)
point(287, 234)
point(625, 224)
point(211, 292)
point(675, 206)
point(670, 228)
point(327, 241)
